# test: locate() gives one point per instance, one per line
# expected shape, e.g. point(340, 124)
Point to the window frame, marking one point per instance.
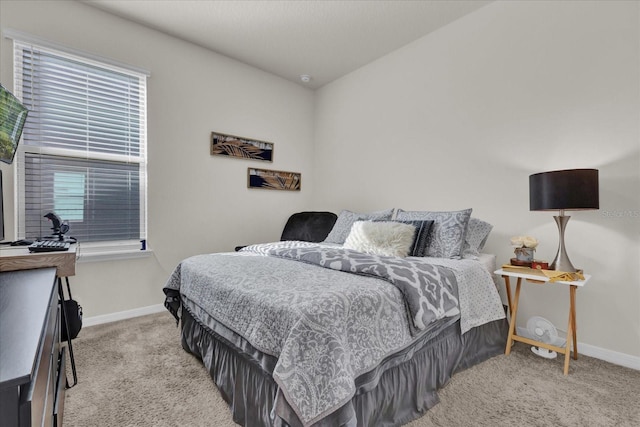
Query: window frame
point(99, 250)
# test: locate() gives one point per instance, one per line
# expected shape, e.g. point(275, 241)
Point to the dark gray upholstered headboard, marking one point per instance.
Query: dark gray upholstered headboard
point(309, 226)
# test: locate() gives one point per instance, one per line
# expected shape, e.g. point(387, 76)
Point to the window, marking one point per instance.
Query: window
point(83, 154)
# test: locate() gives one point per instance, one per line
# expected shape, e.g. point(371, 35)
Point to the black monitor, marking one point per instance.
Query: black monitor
point(12, 118)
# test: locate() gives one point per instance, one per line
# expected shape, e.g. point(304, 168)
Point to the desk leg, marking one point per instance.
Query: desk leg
point(66, 327)
point(514, 314)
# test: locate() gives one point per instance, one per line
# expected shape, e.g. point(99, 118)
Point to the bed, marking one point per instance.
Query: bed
point(324, 334)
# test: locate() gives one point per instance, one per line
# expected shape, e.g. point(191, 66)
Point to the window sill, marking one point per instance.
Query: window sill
point(87, 252)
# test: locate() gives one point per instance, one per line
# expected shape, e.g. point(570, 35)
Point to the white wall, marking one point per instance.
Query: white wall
point(457, 119)
point(197, 203)
point(462, 117)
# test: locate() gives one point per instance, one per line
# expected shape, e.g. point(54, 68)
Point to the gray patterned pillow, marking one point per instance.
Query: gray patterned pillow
point(420, 238)
point(477, 234)
point(342, 227)
point(447, 233)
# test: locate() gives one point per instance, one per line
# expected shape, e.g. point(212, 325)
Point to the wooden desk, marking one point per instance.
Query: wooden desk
point(14, 258)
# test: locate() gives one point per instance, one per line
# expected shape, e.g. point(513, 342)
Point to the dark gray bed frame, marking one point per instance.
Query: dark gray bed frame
point(402, 388)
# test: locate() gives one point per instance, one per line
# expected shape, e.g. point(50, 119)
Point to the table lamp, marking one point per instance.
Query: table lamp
point(572, 189)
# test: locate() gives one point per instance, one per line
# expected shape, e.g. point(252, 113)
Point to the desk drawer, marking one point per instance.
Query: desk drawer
point(53, 356)
point(41, 389)
point(58, 408)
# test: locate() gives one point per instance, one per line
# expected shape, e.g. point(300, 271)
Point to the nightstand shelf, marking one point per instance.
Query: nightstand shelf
point(513, 311)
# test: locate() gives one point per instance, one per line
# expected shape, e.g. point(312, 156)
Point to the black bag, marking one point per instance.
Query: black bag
point(74, 313)
point(71, 323)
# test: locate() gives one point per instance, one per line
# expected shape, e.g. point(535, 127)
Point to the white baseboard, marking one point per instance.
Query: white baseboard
point(122, 315)
point(610, 356)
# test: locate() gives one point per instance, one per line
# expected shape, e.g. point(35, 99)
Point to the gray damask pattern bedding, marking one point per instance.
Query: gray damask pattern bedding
point(326, 327)
point(477, 293)
point(428, 291)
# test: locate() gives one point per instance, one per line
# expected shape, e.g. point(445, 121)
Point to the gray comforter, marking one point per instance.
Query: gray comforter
point(428, 291)
point(325, 327)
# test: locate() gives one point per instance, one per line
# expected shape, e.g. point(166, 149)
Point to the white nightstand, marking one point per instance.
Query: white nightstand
point(513, 311)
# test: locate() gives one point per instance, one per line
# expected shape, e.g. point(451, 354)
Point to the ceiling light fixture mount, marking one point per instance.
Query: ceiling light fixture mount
point(306, 78)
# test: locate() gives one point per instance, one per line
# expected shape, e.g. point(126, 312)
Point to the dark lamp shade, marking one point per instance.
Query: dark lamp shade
point(572, 189)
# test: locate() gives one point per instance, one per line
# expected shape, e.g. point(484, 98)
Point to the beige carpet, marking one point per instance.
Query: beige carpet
point(135, 373)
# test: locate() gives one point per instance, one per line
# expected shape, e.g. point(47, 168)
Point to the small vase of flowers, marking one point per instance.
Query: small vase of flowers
point(524, 247)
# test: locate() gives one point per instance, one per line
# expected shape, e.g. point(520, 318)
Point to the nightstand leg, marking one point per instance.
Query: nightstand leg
point(507, 284)
point(514, 314)
point(571, 331)
point(567, 350)
point(573, 318)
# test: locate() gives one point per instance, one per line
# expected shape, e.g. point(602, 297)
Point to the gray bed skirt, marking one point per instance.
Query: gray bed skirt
point(402, 388)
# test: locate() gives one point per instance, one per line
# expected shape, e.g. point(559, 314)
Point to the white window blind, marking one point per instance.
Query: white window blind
point(83, 154)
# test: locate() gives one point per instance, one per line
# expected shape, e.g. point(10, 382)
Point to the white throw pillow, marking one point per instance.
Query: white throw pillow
point(381, 238)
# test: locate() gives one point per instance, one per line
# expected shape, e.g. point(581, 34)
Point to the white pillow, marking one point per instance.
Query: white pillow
point(381, 238)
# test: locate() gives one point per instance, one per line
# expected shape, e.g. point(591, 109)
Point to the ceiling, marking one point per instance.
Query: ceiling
point(322, 39)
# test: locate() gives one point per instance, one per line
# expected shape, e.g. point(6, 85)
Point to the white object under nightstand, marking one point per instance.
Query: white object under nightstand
point(513, 311)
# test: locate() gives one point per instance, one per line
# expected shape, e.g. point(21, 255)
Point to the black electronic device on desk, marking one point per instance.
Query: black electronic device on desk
point(58, 226)
point(56, 242)
point(49, 246)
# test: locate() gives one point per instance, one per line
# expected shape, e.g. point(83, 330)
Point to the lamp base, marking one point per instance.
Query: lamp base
point(562, 262)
